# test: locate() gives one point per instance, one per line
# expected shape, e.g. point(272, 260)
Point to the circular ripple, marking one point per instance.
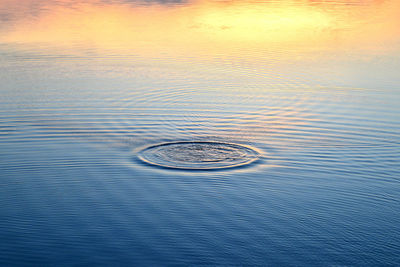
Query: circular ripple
point(198, 155)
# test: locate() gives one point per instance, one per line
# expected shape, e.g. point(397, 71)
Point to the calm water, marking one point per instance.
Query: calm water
point(302, 97)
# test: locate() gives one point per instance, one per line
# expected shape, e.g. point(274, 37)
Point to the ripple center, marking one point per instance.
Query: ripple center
point(198, 155)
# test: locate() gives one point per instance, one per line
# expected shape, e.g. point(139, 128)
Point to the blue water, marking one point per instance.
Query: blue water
point(76, 111)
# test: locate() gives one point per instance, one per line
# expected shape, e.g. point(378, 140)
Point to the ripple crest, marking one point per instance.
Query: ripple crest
point(199, 155)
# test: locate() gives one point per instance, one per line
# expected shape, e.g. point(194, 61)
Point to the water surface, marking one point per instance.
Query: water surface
point(311, 86)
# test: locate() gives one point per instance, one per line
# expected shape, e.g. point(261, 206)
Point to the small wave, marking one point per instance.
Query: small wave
point(198, 155)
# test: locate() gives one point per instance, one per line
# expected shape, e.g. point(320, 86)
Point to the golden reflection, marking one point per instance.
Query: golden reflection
point(204, 25)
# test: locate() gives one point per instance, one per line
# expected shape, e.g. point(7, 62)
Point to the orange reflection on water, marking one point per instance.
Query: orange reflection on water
point(206, 25)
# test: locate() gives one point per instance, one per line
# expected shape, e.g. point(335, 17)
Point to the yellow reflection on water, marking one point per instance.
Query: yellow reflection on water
point(206, 25)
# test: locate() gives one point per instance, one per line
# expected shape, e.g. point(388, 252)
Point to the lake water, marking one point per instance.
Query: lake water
point(200, 132)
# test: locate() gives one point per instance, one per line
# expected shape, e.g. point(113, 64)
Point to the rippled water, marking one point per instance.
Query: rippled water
point(198, 155)
point(301, 97)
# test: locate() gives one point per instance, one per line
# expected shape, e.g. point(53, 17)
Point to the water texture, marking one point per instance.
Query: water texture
point(198, 155)
point(199, 133)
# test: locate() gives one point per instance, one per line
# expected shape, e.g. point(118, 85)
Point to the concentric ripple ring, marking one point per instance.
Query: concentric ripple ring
point(198, 155)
